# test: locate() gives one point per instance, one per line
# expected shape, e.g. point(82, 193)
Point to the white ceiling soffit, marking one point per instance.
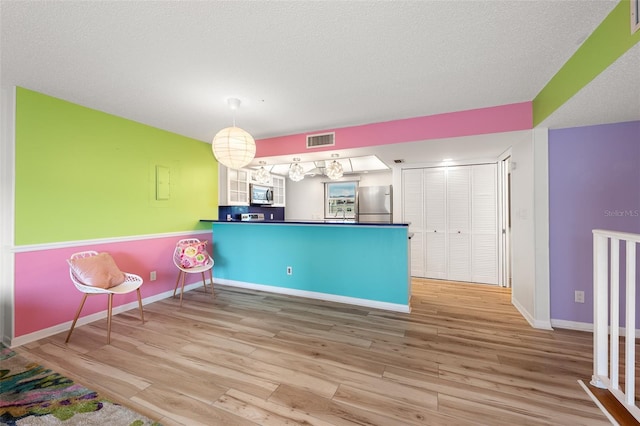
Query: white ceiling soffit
point(461, 150)
point(296, 66)
point(362, 164)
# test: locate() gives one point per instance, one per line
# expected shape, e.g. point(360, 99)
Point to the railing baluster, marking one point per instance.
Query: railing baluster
point(615, 313)
point(600, 317)
point(606, 312)
point(630, 324)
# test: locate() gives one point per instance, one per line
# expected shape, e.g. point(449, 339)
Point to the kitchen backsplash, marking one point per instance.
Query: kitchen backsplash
point(234, 212)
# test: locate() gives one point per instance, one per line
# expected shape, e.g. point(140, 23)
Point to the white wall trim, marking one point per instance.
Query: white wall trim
point(315, 295)
point(65, 326)
point(544, 325)
point(78, 243)
point(572, 325)
point(504, 247)
point(7, 210)
point(584, 326)
point(542, 294)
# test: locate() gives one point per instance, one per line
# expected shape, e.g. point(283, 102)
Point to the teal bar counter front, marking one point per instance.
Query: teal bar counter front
point(366, 265)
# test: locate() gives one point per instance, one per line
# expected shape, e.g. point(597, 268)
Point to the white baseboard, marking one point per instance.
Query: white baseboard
point(544, 325)
point(585, 326)
point(396, 307)
point(572, 325)
point(59, 328)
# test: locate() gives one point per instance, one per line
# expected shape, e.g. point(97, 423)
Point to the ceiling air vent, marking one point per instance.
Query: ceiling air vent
point(325, 139)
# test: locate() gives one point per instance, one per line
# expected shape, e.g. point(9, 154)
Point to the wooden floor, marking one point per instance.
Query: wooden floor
point(464, 356)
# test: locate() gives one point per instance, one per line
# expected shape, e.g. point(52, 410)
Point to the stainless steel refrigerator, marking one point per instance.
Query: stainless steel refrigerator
point(375, 204)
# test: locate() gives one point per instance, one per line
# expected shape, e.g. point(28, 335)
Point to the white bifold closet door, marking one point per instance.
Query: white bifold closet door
point(413, 213)
point(484, 224)
point(459, 223)
point(452, 213)
point(435, 212)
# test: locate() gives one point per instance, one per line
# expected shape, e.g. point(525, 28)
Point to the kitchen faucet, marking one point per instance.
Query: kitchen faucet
point(344, 214)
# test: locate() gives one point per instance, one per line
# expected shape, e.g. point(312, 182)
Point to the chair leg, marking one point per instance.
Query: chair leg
point(204, 282)
point(182, 288)
point(73, 324)
point(140, 305)
point(177, 282)
point(211, 278)
point(109, 318)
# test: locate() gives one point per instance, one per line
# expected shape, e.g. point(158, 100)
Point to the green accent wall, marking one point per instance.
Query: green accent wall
point(604, 46)
point(84, 174)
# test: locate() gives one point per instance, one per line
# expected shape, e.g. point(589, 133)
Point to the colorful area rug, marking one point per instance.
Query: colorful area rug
point(32, 395)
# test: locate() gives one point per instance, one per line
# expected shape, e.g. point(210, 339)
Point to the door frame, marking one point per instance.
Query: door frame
point(505, 165)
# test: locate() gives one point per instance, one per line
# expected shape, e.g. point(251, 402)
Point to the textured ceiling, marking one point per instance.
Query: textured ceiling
point(296, 66)
point(611, 97)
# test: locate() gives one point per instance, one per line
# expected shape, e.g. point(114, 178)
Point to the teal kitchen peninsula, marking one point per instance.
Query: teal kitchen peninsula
point(356, 263)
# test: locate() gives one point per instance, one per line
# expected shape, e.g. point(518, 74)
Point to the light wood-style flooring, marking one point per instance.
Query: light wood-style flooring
point(463, 356)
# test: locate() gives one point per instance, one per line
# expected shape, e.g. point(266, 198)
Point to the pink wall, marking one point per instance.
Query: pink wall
point(504, 118)
point(46, 297)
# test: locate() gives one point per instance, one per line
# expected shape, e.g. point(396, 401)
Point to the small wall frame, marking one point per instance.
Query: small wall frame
point(163, 183)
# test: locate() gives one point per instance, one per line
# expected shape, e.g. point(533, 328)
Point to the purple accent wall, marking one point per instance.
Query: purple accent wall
point(594, 183)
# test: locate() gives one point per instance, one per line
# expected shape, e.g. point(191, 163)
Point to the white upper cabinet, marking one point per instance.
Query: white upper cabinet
point(238, 187)
point(235, 192)
point(279, 193)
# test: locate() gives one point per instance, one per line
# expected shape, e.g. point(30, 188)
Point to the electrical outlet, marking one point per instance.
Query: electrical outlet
point(152, 276)
point(289, 270)
point(579, 296)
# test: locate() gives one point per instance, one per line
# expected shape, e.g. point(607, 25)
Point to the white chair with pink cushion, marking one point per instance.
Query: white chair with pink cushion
point(94, 273)
point(191, 257)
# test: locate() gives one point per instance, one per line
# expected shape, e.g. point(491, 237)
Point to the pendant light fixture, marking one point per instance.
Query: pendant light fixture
point(232, 146)
point(296, 172)
point(334, 170)
point(262, 175)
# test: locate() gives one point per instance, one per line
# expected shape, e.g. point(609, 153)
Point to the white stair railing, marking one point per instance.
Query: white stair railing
point(606, 281)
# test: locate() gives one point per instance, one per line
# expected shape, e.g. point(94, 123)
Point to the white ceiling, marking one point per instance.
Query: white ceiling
point(302, 66)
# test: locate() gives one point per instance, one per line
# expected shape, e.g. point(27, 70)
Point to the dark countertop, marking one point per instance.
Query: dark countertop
point(307, 222)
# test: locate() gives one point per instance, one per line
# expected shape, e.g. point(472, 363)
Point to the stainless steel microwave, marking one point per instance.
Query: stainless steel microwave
point(261, 194)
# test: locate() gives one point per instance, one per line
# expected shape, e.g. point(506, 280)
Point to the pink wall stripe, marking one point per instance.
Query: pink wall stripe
point(46, 297)
point(504, 118)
